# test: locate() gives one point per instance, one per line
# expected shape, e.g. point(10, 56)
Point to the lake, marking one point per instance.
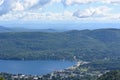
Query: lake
point(33, 67)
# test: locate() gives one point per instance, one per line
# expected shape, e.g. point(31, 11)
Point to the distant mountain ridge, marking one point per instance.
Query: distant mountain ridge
point(6, 29)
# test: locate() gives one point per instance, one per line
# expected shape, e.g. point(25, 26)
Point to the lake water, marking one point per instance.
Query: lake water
point(33, 67)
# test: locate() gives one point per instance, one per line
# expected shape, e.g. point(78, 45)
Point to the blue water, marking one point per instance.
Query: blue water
point(33, 67)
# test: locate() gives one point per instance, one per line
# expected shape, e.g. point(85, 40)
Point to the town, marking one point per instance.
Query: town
point(75, 72)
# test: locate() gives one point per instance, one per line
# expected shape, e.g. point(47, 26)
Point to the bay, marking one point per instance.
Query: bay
point(33, 67)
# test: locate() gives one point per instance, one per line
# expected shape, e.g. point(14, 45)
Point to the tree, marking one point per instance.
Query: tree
point(1, 78)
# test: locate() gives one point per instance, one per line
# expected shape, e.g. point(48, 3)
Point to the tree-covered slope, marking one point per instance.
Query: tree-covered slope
point(85, 45)
point(113, 75)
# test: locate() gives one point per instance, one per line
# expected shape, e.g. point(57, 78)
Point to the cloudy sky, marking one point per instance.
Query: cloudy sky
point(60, 10)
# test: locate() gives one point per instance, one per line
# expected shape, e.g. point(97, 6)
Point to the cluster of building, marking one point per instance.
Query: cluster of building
point(25, 77)
point(72, 72)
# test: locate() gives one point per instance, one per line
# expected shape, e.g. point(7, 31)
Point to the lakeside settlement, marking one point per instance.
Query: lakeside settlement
point(75, 72)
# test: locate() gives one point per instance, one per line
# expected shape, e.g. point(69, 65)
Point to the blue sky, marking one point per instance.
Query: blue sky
point(60, 11)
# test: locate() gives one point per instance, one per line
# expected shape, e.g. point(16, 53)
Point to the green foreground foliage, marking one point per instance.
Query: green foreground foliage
point(1, 78)
point(113, 75)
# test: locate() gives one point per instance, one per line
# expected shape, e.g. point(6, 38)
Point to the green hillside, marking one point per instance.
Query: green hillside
point(85, 44)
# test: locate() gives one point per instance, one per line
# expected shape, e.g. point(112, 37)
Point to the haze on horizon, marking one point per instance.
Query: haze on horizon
point(60, 14)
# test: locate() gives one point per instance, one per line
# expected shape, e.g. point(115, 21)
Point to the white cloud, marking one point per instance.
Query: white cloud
point(6, 6)
point(73, 2)
point(29, 10)
point(114, 16)
point(55, 1)
point(66, 15)
point(19, 5)
point(30, 4)
point(49, 16)
point(83, 14)
point(101, 11)
point(111, 1)
point(1, 2)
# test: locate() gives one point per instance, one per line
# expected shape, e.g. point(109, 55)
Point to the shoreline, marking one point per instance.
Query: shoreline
point(41, 66)
point(62, 73)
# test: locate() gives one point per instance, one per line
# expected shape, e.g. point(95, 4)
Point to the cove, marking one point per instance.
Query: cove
point(33, 67)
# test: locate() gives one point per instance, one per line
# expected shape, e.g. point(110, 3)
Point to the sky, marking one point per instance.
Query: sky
point(59, 11)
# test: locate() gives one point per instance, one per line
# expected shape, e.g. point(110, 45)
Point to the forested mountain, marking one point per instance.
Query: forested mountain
point(113, 75)
point(85, 45)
